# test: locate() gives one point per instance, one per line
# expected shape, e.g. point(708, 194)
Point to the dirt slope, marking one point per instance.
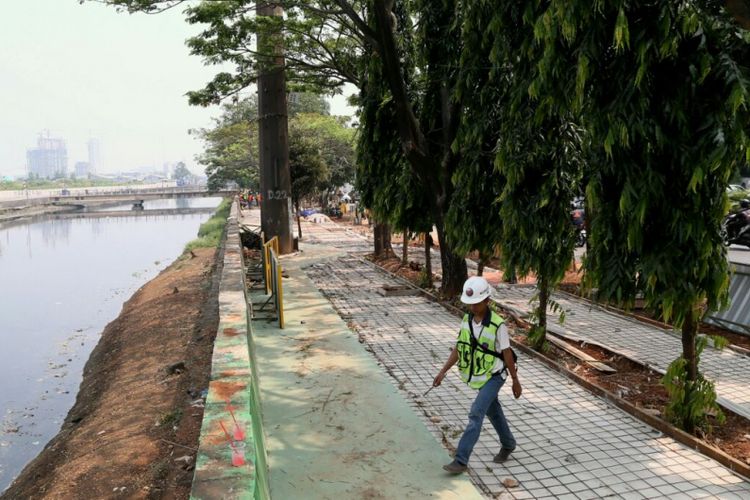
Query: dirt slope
point(138, 397)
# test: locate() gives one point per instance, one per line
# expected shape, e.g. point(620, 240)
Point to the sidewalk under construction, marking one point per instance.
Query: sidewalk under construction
point(344, 413)
point(335, 425)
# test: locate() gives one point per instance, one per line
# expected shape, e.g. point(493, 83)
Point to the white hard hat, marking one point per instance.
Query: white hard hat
point(476, 289)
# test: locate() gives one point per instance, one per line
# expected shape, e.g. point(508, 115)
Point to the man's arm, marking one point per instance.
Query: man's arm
point(511, 365)
point(447, 366)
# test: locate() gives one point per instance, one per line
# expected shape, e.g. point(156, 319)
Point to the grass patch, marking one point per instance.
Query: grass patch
point(171, 419)
point(210, 232)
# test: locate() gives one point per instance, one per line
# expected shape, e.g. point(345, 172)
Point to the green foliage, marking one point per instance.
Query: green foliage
point(691, 401)
point(473, 221)
point(321, 154)
point(307, 102)
point(537, 149)
point(538, 338)
point(211, 231)
point(334, 140)
point(181, 172)
point(661, 90)
point(719, 342)
point(321, 43)
point(307, 167)
point(664, 107)
point(385, 179)
point(231, 146)
point(424, 280)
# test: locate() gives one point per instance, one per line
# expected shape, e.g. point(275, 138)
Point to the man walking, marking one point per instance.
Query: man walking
point(485, 360)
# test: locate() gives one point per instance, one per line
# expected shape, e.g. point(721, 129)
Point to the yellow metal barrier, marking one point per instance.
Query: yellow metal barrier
point(277, 287)
point(272, 275)
point(273, 243)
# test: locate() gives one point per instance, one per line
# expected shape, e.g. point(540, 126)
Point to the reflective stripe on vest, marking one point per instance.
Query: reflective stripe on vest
point(475, 366)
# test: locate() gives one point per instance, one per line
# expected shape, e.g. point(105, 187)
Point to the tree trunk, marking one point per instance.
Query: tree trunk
point(480, 265)
point(434, 170)
point(428, 258)
point(299, 224)
point(273, 134)
point(689, 331)
point(405, 249)
point(454, 266)
point(543, 299)
point(382, 239)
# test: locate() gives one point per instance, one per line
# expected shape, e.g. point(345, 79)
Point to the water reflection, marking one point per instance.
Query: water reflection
point(52, 233)
point(166, 203)
point(61, 282)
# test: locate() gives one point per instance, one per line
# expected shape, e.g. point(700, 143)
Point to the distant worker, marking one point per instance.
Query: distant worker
point(485, 359)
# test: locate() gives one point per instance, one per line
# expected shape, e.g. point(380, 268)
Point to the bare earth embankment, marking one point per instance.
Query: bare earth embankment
point(133, 430)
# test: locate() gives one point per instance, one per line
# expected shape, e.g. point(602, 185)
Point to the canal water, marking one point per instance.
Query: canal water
point(61, 282)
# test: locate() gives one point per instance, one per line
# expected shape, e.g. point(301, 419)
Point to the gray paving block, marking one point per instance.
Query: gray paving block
point(563, 432)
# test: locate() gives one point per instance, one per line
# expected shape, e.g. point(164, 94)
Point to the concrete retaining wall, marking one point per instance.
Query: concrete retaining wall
point(234, 381)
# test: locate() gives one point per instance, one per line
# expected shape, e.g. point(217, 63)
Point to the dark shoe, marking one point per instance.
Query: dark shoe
point(455, 467)
point(502, 456)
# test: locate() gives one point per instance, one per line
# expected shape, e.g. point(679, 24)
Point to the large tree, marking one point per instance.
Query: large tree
point(536, 151)
point(663, 91)
point(473, 219)
point(307, 167)
point(326, 43)
point(321, 155)
point(384, 177)
point(231, 146)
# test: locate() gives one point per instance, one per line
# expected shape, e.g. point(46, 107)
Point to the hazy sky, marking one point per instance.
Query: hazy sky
point(85, 71)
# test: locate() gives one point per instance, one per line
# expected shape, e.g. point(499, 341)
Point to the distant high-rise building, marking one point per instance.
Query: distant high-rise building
point(95, 156)
point(49, 159)
point(82, 169)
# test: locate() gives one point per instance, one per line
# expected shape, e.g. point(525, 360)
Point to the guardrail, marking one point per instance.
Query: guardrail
point(737, 316)
point(272, 276)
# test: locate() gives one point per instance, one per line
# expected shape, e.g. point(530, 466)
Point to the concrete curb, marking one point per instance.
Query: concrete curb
point(234, 382)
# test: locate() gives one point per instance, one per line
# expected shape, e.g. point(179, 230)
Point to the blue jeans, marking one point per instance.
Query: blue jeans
point(486, 403)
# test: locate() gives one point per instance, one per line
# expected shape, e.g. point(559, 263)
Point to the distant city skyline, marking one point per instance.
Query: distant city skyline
point(86, 71)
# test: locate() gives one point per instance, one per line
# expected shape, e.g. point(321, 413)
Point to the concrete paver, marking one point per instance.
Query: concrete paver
point(570, 442)
point(641, 342)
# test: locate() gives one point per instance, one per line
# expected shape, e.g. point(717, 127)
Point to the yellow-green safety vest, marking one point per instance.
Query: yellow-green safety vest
point(474, 365)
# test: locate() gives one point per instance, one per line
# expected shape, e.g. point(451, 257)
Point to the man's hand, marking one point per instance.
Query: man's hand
point(516, 388)
point(438, 379)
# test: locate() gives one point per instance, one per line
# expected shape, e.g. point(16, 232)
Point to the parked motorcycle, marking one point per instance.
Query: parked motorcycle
point(735, 229)
point(334, 211)
point(578, 216)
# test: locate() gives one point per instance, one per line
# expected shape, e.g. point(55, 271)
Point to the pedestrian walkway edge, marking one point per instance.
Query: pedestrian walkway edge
point(232, 407)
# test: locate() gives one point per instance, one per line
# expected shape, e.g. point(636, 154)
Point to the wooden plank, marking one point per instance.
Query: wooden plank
point(397, 291)
point(589, 360)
